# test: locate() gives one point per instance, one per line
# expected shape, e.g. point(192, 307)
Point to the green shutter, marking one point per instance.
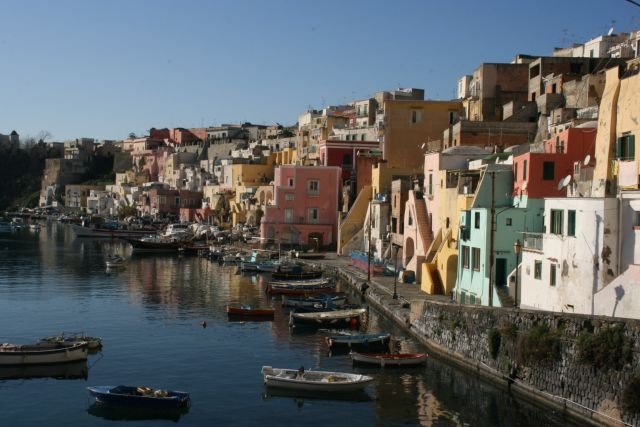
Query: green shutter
point(632, 146)
point(618, 148)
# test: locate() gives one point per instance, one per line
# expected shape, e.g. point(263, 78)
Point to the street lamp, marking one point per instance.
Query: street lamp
point(395, 276)
point(517, 248)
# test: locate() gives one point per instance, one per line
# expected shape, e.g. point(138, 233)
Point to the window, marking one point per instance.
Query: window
point(524, 171)
point(476, 221)
point(556, 221)
point(509, 222)
point(313, 215)
point(548, 171)
point(289, 197)
point(537, 270)
point(362, 137)
point(515, 171)
point(410, 222)
point(416, 116)
point(552, 275)
point(288, 215)
point(430, 184)
point(472, 299)
point(476, 259)
point(465, 257)
point(571, 223)
point(313, 186)
point(177, 201)
point(626, 147)
point(291, 182)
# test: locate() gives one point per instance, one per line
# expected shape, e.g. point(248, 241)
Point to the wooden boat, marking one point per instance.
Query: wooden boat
point(42, 352)
point(114, 261)
point(327, 318)
point(249, 311)
point(302, 283)
point(277, 289)
point(140, 397)
point(110, 232)
point(358, 340)
point(296, 273)
point(389, 359)
point(93, 343)
point(156, 244)
point(309, 380)
point(336, 300)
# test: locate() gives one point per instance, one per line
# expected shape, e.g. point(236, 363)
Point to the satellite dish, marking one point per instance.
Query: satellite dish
point(564, 182)
point(610, 31)
point(587, 159)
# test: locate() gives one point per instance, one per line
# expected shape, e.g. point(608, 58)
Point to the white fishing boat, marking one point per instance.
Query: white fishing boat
point(42, 352)
point(310, 380)
point(325, 318)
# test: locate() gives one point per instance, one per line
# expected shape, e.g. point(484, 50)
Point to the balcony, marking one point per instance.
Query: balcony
point(532, 242)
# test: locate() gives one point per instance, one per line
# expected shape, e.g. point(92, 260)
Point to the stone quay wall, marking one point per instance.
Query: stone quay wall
point(536, 354)
point(557, 377)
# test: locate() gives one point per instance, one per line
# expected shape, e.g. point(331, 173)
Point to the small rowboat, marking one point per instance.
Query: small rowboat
point(93, 343)
point(358, 341)
point(325, 318)
point(335, 300)
point(296, 275)
point(389, 359)
point(42, 353)
point(318, 381)
point(140, 397)
point(247, 310)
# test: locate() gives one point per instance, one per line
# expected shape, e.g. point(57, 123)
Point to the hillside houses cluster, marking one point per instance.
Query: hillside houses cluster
point(523, 191)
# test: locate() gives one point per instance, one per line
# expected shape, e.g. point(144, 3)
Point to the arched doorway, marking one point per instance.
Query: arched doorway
point(407, 251)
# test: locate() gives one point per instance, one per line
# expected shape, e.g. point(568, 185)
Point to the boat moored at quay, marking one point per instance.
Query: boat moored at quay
point(43, 353)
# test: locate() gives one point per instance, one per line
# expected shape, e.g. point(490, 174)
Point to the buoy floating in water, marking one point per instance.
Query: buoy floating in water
point(203, 323)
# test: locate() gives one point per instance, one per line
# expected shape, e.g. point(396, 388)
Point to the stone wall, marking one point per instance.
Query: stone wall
point(462, 334)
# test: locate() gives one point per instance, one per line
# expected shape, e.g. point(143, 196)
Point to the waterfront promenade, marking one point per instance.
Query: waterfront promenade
point(405, 309)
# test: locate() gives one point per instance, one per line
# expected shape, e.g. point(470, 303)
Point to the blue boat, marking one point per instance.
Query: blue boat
point(140, 397)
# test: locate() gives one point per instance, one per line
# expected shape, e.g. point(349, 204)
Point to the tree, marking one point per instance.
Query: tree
point(132, 135)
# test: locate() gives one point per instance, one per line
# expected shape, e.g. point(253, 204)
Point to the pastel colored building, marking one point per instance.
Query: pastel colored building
point(304, 210)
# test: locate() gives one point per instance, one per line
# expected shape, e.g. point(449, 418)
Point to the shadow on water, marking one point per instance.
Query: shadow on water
point(119, 413)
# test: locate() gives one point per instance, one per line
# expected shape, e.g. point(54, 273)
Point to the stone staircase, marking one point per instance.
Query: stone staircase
point(505, 299)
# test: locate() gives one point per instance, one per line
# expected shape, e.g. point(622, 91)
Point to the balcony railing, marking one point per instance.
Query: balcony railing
point(532, 241)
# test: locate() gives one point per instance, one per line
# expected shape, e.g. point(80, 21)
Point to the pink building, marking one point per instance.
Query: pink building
point(305, 207)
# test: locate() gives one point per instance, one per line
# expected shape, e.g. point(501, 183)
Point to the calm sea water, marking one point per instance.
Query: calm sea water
point(149, 315)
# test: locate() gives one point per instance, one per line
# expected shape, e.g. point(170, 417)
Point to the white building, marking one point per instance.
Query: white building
point(564, 268)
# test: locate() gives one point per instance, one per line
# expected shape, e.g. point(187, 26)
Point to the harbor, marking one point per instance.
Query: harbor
point(151, 316)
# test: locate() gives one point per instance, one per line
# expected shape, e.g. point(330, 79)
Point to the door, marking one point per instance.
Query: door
point(501, 271)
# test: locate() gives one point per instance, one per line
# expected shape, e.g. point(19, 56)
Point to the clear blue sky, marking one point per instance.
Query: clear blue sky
point(102, 69)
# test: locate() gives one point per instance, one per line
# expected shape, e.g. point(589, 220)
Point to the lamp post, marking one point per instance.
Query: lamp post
point(517, 248)
point(395, 275)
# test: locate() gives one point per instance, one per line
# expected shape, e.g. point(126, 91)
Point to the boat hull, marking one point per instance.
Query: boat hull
point(125, 396)
point(314, 381)
point(42, 353)
point(358, 341)
point(389, 359)
point(81, 231)
point(327, 318)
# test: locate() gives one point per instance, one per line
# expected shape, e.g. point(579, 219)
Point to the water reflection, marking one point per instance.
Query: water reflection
point(118, 413)
point(59, 371)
